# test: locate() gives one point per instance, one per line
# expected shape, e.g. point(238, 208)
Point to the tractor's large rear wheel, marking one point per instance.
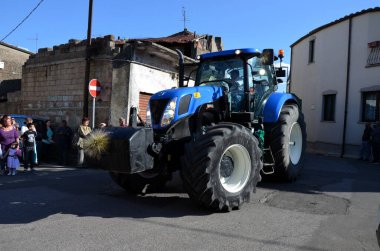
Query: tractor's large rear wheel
point(221, 167)
point(287, 141)
point(140, 183)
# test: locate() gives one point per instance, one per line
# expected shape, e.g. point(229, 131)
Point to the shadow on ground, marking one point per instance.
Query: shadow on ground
point(29, 197)
point(26, 197)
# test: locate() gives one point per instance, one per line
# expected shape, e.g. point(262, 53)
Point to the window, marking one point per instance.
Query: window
point(371, 101)
point(329, 107)
point(374, 54)
point(311, 50)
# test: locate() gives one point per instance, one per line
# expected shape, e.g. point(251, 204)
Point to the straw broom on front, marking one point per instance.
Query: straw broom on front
point(96, 144)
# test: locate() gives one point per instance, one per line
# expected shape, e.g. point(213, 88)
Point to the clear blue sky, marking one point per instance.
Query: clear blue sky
point(240, 23)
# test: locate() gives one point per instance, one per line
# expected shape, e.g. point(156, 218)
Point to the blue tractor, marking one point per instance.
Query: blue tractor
point(223, 133)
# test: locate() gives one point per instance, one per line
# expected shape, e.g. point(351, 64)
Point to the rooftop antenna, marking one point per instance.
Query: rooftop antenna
point(184, 17)
point(36, 40)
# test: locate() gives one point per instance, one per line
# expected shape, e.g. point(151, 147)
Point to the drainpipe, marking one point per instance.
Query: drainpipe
point(289, 80)
point(347, 87)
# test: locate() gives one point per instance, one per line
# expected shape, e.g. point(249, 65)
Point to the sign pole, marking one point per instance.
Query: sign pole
point(94, 88)
point(93, 113)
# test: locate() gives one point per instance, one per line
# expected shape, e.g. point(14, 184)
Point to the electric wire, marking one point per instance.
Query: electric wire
point(22, 21)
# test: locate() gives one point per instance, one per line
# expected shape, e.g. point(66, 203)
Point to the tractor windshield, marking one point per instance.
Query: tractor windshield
point(213, 72)
point(229, 74)
point(226, 73)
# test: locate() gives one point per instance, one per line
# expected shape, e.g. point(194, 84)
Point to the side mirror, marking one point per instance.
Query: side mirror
point(279, 80)
point(280, 73)
point(267, 57)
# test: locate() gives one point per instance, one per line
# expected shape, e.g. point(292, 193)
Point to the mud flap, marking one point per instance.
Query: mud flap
point(128, 151)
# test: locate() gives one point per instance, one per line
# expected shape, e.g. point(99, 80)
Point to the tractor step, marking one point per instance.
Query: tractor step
point(268, 166)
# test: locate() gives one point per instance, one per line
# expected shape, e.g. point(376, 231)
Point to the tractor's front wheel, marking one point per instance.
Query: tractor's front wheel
point(287, 141)
point(140, 183)
point(221, 167)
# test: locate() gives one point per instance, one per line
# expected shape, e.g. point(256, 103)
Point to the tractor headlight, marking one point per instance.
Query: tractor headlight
point(169, 112)
point(148, 121)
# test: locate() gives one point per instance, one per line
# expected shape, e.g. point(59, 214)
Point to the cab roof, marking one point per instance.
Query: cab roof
point(250, 52)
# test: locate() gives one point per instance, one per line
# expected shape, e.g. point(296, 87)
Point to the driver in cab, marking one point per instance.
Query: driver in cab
point(232, 82)
point(236, 91)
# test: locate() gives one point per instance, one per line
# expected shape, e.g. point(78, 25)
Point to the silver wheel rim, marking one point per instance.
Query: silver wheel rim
point(237, 177)
point(295, 143)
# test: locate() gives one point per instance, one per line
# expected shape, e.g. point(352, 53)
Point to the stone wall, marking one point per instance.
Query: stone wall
point(53, 81)
point(13, 104)
point(13, 59)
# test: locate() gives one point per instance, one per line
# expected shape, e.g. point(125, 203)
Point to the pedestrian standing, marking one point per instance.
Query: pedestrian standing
point(8, 135)
point(375, 142)
point(24, 128)
point(365, 151)
point(47, 141)
point(29, 142)
point(83, 131)
point(12, 156)
point(63, 140)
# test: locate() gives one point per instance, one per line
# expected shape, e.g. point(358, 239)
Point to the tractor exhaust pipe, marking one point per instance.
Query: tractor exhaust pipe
point(181, 71)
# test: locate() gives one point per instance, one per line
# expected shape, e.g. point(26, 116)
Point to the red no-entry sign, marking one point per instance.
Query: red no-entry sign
point(94, 87)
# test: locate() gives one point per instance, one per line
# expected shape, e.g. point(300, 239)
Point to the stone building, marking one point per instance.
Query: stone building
point(53, 80)
point(130, 71)
point(11, 60)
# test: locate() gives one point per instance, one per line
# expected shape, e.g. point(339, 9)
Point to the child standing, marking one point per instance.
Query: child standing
point(29, 139)
point(12, 156)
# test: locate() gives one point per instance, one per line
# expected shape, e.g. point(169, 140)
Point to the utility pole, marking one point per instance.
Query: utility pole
point(88, 61)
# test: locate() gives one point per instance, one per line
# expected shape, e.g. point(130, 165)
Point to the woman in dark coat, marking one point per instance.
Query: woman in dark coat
point(47, 151)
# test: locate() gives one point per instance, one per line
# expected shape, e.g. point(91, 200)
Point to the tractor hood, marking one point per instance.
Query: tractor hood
point(169, 106)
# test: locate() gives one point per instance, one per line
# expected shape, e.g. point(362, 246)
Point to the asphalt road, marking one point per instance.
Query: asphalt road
point(332, 206)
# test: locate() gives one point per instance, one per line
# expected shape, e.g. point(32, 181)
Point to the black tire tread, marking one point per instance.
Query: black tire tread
point(197, 167)
point(276, 134)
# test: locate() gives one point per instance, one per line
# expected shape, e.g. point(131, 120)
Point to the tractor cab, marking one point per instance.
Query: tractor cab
point(247, 77)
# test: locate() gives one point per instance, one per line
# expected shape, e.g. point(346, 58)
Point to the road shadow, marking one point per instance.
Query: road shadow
point(27, 198)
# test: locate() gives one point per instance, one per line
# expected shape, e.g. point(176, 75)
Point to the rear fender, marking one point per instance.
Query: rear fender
point(274, 104)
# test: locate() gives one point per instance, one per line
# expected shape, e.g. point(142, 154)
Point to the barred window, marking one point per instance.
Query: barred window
point(329, 107)
point(374, 54)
